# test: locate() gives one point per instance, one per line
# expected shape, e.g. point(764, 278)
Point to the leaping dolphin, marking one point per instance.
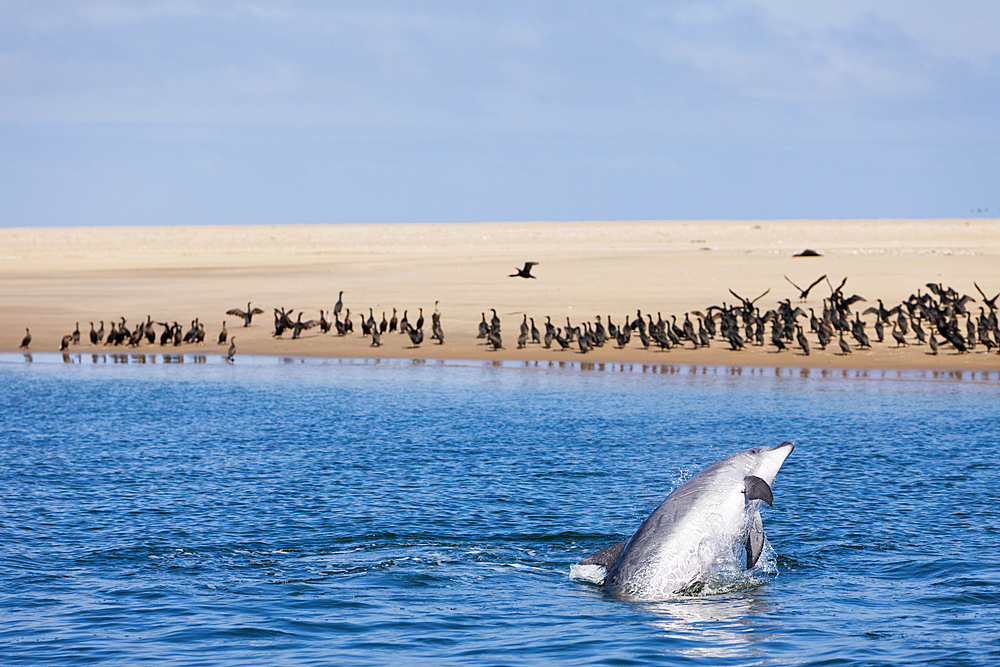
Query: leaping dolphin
point(699, 522)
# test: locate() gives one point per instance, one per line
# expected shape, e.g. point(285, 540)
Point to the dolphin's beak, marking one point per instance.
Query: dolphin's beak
point(782, 451)
point(789, 445)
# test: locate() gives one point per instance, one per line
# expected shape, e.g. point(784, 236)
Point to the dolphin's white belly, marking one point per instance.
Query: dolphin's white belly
point(692, 551)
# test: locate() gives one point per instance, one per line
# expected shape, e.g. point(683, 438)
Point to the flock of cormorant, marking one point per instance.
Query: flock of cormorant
point(939, 317)
point(174, 334)
point(941, 312)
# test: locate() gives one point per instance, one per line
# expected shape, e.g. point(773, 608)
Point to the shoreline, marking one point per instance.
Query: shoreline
point(201, 358)
point(51, 278)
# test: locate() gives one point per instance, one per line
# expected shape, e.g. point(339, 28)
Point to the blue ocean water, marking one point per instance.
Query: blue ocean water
point(180, 510)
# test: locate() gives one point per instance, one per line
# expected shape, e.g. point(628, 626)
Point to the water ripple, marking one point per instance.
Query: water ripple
point(373, 514)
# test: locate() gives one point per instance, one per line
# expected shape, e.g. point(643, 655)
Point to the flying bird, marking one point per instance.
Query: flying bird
point(804, 293)
point(525, 272)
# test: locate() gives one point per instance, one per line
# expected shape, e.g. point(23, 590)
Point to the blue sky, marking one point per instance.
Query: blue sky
point(189, 112)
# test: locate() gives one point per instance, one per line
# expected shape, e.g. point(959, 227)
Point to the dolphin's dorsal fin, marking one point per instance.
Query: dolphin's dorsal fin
point(757, 489)
point(606, 557)
point(755, 540)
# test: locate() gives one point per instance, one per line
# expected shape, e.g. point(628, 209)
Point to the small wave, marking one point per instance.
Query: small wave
point(592, 574)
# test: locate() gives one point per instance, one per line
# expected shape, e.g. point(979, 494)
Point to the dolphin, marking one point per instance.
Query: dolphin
point(699, 523)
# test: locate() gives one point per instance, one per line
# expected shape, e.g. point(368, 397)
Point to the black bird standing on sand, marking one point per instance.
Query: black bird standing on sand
point(232, 349)
point(299, 325)
point(844, 347)
point(416, 336)
point(26, 341)
point(802, 340)
point(493, 338)
point(247, 315)
point(337, 307)
point(898, 335)
point(525, 272)
point(223, 334)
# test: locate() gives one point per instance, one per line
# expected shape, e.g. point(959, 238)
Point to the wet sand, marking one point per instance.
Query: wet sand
point(52, 278)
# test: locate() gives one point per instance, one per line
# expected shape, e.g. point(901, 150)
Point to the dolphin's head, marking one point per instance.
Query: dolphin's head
point(766, 461)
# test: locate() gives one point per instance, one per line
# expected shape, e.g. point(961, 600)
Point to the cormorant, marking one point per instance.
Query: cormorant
point(299, 325)
point(437, 332)
point(416, 336)
point(804, 293)
point(337, 307)
point(992, 303)
point(493, 338)
point(26, 341)
point(898, 335)
point(525, 272)
point(776, 338)
point(802, 340)
point(223, 334)
point(688, 329)
point(247, 314)
point(844, 347)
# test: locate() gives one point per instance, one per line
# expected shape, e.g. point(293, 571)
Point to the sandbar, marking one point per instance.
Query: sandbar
point(53, 278)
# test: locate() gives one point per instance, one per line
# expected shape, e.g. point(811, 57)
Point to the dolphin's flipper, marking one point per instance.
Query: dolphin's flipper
point(606, 557)
point(755, 540)
point(757, 489)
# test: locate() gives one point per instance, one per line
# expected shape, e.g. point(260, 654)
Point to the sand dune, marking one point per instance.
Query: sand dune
point(52, 278)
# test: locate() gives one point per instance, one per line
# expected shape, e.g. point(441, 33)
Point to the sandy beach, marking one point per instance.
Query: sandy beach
point(53, 278)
